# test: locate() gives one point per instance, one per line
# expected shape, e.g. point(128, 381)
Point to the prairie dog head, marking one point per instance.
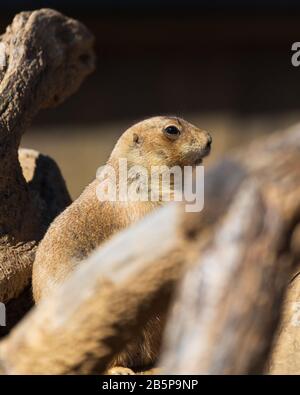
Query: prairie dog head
point(163, 140)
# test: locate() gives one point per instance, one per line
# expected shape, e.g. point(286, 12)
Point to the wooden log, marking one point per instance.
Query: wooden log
point(47, 189)
point(45, 57)
point(229, 305)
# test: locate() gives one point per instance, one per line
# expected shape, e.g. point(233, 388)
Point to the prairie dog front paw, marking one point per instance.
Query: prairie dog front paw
point(119, 370)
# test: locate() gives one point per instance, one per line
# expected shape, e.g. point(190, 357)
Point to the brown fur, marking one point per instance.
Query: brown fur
point(85, 224)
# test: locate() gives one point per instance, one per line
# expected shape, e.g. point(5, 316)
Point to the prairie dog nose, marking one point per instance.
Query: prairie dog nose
point(209, 140)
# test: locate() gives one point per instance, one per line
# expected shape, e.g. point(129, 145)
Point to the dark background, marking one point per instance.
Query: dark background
point(225, 65)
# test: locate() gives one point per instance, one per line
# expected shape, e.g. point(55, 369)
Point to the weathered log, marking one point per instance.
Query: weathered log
point(45, 57)
point(229, 304)
point(47, 189)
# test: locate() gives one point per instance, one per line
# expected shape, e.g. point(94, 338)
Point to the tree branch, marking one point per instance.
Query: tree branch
point(46, 57)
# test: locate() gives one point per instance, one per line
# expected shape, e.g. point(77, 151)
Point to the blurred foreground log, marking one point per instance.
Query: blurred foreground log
point(229, 304)
point(239, 255)
point(44, 58)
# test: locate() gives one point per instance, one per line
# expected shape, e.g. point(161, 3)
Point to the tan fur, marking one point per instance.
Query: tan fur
point(85, 224)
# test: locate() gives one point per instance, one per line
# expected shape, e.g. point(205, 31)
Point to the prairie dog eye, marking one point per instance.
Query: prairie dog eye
point(172, 132)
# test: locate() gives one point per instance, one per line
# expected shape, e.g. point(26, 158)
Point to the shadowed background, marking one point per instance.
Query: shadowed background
point(223, 65)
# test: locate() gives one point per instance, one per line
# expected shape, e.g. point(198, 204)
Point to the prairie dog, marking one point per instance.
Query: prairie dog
point(86, 223)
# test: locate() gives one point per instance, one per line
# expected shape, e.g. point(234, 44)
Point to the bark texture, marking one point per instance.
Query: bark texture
point(45, 57)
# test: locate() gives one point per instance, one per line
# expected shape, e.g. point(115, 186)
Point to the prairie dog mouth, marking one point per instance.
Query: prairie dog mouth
point(198, 161)
point(201, 155)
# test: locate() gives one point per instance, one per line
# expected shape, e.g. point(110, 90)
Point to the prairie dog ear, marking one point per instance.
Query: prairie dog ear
point(136, 138)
